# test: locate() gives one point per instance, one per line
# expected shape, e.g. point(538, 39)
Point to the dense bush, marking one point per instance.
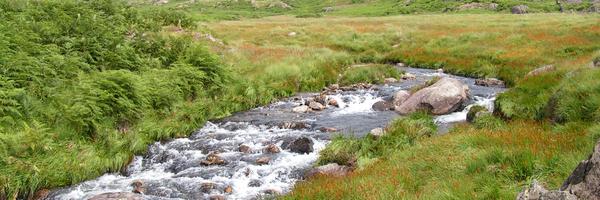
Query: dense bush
point(84, 75)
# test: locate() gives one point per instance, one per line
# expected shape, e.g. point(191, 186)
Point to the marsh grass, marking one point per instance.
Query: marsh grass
point(467, 163)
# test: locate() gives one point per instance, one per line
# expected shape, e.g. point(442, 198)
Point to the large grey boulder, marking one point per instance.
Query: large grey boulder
point(400, 97)
point(538, 192)
point(443, 97)
point(520, 9)
point(583, 183)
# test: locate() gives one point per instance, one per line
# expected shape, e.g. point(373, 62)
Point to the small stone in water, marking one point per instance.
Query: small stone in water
point(255, 183)
point(138, 187)
point(300, 109)
point(244, 148)
point(213, 159)
point(207, 187)
point(333, 102)
point(328, 129)
point(263, 160)
point(228, 189)
point(272, 148)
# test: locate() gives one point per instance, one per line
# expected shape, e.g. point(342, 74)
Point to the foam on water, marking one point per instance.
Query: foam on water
point(354, 103)
point(487, 102)
point(173, 169)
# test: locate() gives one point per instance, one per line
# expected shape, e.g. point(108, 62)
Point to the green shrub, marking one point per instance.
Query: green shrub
point(578, 97)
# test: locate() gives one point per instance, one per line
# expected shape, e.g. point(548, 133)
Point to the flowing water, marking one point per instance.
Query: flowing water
point(173, 170)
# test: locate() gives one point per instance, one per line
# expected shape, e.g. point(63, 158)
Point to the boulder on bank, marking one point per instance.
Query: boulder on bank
point(583, 183)
point(541, 70)
point(520, 9)
point(538, 192)
point(302, 145)
point(331, 169)
point(445, 96)
point(377, 132)
point(490, 82)
point(117, 196)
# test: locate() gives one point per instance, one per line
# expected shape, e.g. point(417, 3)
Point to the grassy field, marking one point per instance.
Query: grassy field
point(89, 84)
point(491, 159)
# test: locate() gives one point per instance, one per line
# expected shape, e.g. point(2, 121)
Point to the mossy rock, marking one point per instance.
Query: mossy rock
point(474, 112)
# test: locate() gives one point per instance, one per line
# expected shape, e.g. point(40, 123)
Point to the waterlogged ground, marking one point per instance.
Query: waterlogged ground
point(173, 170)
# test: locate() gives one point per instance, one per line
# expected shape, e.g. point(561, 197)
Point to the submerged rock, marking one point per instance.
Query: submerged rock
point(443, 97)
point(244, 148)
point(213, 159)
point(295, 125)
point(272, 148)
point(331, 169)
point(301, 145)
point(263, 160)
point(117, 196)
point(216, 197)
point(207, 187)
point(383, 106)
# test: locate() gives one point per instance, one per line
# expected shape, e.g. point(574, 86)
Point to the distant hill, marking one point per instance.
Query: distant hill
point(232, 9)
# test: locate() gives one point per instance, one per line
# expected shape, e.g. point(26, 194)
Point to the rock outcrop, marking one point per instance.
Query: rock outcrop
point(520, 9)
point(583, 183)
point(443, 97)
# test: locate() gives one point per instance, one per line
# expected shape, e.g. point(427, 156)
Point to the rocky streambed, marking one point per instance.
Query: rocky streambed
point(263, 151)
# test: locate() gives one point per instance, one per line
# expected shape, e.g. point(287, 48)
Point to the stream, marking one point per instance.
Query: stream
point(173, 169)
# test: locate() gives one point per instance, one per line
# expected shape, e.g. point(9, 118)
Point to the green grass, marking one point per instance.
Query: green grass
point(85, 85)
point(467, 163)
point(374, 74)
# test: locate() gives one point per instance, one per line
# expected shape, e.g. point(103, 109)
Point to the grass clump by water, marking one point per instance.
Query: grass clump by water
point(467, 163)
point(371, 73)
point(399, 134)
